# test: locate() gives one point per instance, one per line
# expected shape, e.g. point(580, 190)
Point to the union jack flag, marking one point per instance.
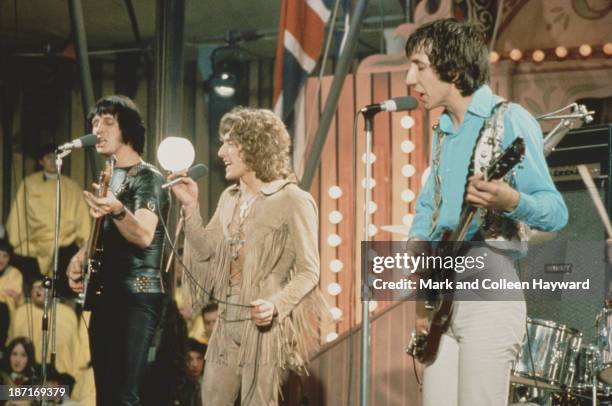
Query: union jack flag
point(300, 41)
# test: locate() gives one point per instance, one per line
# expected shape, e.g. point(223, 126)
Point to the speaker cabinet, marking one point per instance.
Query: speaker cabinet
point(583, 237)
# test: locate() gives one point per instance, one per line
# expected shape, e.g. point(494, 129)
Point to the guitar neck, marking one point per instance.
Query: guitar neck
point(497, 170)
point(94, 238)
point(104, 182)
point(467, 214)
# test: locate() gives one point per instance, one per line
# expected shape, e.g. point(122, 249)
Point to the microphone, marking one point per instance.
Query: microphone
point(195, 172)
point(396, 104)
point(88, 140)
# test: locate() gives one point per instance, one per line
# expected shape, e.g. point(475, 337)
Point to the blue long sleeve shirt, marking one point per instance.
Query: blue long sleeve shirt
point(540, 206)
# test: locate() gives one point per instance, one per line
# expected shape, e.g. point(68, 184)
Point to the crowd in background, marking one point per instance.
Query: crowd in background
point(26, 258)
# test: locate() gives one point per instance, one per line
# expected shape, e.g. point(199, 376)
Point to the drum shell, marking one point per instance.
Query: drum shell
point(604, 345)
point(553, 348)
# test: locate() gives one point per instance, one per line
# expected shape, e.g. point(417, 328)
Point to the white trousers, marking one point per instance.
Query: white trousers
point(476, 355)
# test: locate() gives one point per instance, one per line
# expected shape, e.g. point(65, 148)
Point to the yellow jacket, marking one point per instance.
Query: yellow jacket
point(11, 279)
point(31, 221)
point(28, 323)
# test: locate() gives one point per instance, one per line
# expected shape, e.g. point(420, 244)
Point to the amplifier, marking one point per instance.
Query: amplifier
point(589, 146)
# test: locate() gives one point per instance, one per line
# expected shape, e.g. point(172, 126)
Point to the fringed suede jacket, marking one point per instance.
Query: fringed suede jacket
point(281, 265)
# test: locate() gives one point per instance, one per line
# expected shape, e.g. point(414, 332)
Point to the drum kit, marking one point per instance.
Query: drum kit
point(554, 367)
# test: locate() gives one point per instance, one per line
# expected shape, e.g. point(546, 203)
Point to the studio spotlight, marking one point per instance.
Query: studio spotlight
point(226, 72)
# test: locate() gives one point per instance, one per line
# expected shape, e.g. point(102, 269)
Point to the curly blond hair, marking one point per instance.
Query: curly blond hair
point(264, 140)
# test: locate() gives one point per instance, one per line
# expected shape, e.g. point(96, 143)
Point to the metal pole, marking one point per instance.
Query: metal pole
point(51, 297)
point(87, 94)
point(169, 72)
point(344, 63)
point(364, 388)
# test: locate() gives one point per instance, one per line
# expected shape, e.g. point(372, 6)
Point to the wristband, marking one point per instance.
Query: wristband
point(120, 214)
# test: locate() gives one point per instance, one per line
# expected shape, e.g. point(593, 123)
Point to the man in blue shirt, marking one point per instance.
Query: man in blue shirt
point(449, 68)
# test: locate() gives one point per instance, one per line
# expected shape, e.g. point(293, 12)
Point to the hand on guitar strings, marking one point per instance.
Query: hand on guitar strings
point(495, 194)
point(101, 206)
point(75, 271)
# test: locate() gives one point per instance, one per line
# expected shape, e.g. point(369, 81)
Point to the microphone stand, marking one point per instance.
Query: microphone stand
point(364, 392)
point(554, 136)
point(50, 284)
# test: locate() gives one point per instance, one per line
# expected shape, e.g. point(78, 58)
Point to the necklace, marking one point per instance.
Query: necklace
point(236, 241)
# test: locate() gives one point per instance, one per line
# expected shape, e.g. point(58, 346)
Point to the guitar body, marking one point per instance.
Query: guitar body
point(424, 345)
point(92, 279)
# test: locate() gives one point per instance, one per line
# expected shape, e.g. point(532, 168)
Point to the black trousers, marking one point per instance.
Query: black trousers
point(121, 331)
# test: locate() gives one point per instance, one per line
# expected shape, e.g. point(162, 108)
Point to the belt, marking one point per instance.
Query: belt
point(143, 281)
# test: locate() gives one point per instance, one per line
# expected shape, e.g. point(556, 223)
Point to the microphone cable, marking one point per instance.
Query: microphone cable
point(187, 271)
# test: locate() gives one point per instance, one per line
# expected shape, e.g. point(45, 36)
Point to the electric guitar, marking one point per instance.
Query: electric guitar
point(424, 345)
point(92, 284)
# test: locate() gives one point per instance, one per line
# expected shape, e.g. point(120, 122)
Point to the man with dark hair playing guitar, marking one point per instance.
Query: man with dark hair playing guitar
point(449, 68)
point(124, 287)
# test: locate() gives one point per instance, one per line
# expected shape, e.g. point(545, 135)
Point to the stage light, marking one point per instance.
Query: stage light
point(516, 54)
point(227, 70)
point(407, 195)
point(607, 48)
point(335, 265)
point(408, 170)
point(334, 289)
point(333, 240)
point(372, 158)
point(407, 146)
point(407, 219)
point(493, 57)
point(369, 183)
point(334, 192)
point(585, 50)
point(336, 313)
point(175, 154)
point(561, 52)
point(331, 337)
point(335, 217)
point(538, 55)
point(373, 207)
point(224, 85)
point(407, 122)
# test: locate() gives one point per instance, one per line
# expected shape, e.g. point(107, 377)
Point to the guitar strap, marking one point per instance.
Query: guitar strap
point(492, 224)
point(437, 197)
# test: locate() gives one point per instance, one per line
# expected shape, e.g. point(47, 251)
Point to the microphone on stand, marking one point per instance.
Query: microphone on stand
point(195, 172)
point(396, 104)
point(88, 140)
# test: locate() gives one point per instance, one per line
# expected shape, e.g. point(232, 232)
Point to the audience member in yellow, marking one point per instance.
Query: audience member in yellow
point(11, 289)
point(31, 221)
point(28, 323)
point(84, 389)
